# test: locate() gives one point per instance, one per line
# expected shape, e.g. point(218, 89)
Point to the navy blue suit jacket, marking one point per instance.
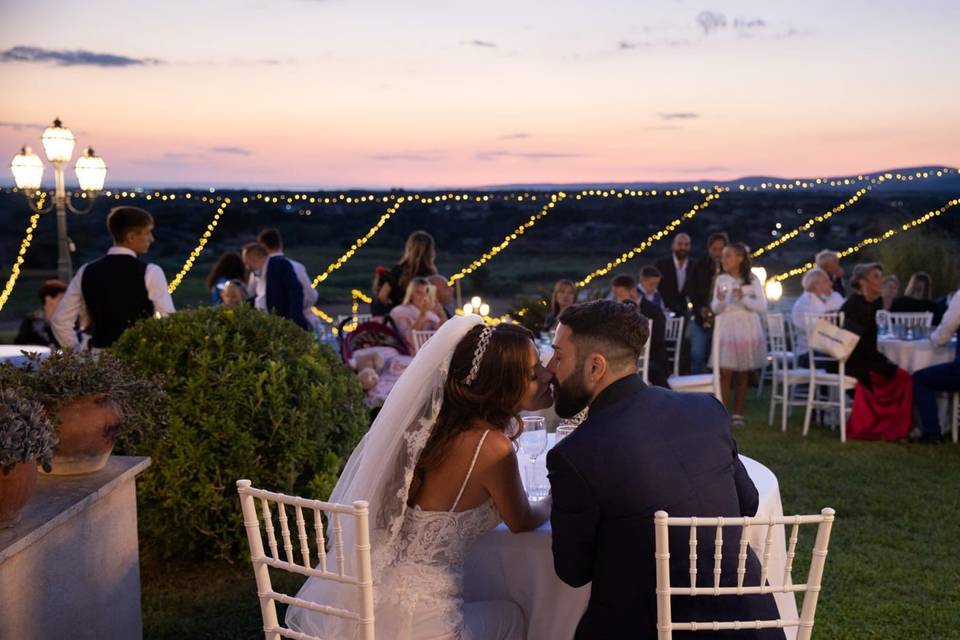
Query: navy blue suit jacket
point(641, 449)
point(284, 291)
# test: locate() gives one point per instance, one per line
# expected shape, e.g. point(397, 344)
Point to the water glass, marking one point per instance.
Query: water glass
point(533, 442)
point(564, 430)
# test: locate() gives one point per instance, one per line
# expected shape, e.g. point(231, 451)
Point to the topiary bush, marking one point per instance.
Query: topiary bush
point(250, 395)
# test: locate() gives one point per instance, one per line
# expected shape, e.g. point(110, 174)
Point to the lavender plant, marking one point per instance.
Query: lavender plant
point(26, 434)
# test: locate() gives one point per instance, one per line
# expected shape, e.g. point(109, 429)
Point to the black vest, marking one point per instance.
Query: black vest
point(115, 293)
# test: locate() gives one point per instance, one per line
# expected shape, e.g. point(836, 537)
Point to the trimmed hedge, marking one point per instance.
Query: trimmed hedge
point(249, 395)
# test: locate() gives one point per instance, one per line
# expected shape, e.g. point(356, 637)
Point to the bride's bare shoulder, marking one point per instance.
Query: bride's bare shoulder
point(496, 445)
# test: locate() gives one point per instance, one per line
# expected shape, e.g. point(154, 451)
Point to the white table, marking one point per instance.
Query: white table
point(519, 567)
point(13, 352)
point(914, 355)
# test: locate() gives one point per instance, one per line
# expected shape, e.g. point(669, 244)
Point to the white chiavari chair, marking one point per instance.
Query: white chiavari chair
point(701, 382)
point(776, 354)
point(785, 376)
point(643, 363)
point(326, 569)
point(673, 335)
point(835, 385)
point(420, 338)
point(811, 588)
point(899, 322)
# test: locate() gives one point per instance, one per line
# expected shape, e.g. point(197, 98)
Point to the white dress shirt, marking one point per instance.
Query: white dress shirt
point(310, 294)
point(810, 303)
point(72, 306)
point(681, 272)
point(949, 323)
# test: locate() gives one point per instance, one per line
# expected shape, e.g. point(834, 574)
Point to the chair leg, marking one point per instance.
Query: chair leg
point(810, 400)
point(955, 419)
point(785, 391)
point(843, 412)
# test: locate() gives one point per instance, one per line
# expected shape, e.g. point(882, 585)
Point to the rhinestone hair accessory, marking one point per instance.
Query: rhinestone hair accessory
point(482, 343)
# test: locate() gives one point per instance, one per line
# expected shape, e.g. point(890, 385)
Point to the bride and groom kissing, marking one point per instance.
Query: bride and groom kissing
point(439, 469)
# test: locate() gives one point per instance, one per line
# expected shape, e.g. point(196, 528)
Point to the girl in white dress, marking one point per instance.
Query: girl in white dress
point(738, 300)
point(439, 469)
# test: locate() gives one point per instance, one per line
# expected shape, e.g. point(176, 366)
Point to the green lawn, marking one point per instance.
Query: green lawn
point(893, 569)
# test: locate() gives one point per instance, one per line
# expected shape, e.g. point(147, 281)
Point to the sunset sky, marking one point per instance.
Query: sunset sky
point(338, 93)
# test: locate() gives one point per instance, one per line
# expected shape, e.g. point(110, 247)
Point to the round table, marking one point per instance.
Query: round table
point(519, 567)
point(13, 353)
point(914, 355)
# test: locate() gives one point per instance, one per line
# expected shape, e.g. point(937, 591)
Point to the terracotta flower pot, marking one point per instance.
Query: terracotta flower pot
point(16, 487)
point(88, 427)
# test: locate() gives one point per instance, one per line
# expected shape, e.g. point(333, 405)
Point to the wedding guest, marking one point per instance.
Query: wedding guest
point(675, 285)
point(229, 266)
point(641, 449)
point(35, 328)
point(700, 288)
point(444, 294)
point(829, 261)
point(917, 297)
point(650, 279)
point(889, 291)
point(939, 378)
point(418, 261)
point(273, 241)
point(282, 291)
point(818, 297)
point(738, 296)
point(883, 401)
point(564, 295)
point(113, 292)
point(416, 313)
point(235, 294)
point(624, 289)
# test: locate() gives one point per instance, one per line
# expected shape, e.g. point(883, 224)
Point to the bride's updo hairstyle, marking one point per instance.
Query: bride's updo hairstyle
point(489, 387)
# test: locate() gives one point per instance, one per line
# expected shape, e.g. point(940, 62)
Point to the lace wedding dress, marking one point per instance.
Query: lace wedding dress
point(417, 555)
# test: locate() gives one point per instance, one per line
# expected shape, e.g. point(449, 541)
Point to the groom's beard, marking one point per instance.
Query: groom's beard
point(572, 396)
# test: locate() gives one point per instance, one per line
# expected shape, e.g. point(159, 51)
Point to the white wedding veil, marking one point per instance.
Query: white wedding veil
point(380, 471)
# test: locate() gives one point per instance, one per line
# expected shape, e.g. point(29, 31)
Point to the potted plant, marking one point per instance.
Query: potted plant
point(26, 438)
point(90, 398)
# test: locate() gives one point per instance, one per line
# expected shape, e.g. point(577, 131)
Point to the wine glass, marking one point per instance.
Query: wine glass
point(533, 442)
point(881, 318)
point(563, 431)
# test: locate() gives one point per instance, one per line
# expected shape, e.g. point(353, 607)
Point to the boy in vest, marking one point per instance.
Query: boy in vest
point(117, 290)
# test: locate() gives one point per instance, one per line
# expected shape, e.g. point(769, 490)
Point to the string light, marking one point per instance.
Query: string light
point(199, 248)
point(24, 245)
point(866, 242)
point(659, 235)
point(812, 221)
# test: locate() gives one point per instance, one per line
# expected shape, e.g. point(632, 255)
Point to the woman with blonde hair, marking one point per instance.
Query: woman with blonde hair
point(418, 311)
point(418, 261)
point(918, 297)
point(564, 295)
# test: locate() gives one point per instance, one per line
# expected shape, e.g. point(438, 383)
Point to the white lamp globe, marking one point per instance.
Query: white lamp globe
point(58, 142)
point(484, 309)
point(475, 301)
point(760, 272)
point(27, 170)
point(91, 171)
point(468, 308)
point(774, 290)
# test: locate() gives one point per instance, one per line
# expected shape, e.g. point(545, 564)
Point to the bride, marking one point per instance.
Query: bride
point(439, 469)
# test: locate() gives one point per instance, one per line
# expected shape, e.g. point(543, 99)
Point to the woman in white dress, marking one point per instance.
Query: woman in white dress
point(738, 300)
point(439, 469)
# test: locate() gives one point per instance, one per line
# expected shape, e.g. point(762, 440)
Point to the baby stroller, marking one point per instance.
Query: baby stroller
point(370, 334)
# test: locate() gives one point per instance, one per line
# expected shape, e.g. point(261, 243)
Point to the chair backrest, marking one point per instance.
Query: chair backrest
point(817, 358)
point(673, 335)
point(262, 562)
point(811, 588)
point(643, 363)
point(777, 336)
point(420, 337)
point(898, 323)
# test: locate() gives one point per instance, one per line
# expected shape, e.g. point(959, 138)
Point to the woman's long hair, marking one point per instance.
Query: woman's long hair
point(745, 264)
point(920, 286)
point(495, 394)
point(411, 287)
point(419, 255)
point(561, 284)
point(230, 266)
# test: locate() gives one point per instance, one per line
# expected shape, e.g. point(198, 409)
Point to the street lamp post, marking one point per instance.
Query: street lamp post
point(91, 172)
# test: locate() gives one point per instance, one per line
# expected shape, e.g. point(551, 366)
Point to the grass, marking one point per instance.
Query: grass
point(893, 569)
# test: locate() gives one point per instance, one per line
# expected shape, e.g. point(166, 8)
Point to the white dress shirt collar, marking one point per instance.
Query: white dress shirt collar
point(121, 251)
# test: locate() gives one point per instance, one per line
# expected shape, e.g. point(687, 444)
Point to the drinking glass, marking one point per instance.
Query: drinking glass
point(533, 442)
point(563, 431)
point(881, 318)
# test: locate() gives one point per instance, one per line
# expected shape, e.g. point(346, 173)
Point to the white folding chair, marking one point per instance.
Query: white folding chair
point(785, 376)
point(835, 384)
point(673, 334)
point(701, 382)
point(955, 416)
point(811, 588)
point(643, 363)
point(262, 562)
point(898, 323)
point(776, 353)
point(420, 337)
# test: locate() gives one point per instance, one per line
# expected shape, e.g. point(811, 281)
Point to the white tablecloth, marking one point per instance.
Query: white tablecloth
point(519, 567)
point(13, 352)
point(914, 355)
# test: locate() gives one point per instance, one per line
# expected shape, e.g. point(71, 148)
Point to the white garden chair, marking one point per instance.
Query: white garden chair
point(955, 417)
point(899, 322)
point(836, 384)
point(262, 563)
point(673, 334)
point(643, 363)
point(701, 382)
point(358, 319)
point(420, 338)
point(785, 375)
point(776, 353)
point(811, 588)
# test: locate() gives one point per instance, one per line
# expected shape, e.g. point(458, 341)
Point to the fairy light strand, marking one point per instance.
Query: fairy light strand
point(18, 263)
point(188, 264)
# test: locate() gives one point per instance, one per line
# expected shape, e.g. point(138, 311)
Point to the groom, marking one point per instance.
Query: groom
point(641, 449)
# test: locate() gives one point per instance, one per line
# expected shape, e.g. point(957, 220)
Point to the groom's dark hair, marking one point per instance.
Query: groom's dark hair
point(615, 329)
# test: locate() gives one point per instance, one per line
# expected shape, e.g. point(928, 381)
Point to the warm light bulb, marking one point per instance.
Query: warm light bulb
point(27, 170)
point(774, 290)
point(468, 308)
point(484, 309)
point(58, 142)
point(475, 301)
point(760, 272)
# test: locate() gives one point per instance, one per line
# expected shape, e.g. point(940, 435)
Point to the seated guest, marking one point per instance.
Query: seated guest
point(228, 267)
point(271, 239)
point(889, 291)
point(418, 312)
point(649, 283)
point(642, 449)
point(444, 295)
point(115, 291)
point(418, 261)
point(282, 291)
point(829, 261)
point(883, 403)
point(943, 377)
point(917, 297)
point(818, 297)
point(35, 328)
point(564, 295)
point(624, 289)
point(234, 294)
